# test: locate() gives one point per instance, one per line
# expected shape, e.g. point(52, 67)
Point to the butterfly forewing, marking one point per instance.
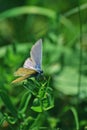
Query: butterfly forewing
point(24, 71)
point(36, 54)
point(20, 79)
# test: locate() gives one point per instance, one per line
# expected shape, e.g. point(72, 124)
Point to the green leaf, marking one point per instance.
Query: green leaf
point(36, 105)
point(2, 118)
point(5, 98)
point(25, 101)
point(28, 10)
point(43, 104)
point(67, 82)
point(31, 86)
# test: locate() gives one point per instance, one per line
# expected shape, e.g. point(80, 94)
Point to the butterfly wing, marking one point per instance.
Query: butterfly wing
point(20, 79)
point(29, 64)
point(24, 73)
point(36, 55)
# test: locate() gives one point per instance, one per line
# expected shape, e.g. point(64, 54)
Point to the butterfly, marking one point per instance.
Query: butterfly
point(32, 65)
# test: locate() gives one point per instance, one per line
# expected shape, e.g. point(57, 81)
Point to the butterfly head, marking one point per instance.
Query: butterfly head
point(39, 71)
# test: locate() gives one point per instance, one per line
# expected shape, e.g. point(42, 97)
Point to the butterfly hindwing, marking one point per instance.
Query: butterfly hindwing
point(29, 64)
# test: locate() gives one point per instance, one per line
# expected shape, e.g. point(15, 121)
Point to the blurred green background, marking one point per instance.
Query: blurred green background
point(64, 36)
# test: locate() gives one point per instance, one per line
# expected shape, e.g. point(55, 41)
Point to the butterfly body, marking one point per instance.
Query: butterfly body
point(32, 65)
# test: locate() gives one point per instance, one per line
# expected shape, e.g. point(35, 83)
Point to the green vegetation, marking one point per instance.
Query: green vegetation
point(57, 100)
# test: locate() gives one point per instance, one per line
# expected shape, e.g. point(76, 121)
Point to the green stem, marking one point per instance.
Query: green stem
point(75, 10)
point(38, 119)
point(73, 110)
point(75, 117)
